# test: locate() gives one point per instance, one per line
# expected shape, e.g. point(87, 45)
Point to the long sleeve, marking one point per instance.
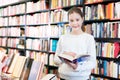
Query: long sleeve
point(91, 62)
point(79, 44)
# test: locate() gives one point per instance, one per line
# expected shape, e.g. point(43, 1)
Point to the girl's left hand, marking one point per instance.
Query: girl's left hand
point(73, 65)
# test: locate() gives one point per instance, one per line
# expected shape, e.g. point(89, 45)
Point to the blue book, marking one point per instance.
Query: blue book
point(54, 45)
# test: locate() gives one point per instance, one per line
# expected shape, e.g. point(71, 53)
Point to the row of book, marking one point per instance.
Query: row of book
point(31, 7)
point(64, 3)
point(38, 18)
point(47, 31)
point(3, 32)
point(100, 11)
point(12, 42)
point(59, 16)
point(12, 10)
point(15, 66)
point(3, 41)
point(107, 68)
point(92, 1)
point(37, 44)
point(39, 5)
point(33, 44)
point(107, 49)
point(8, 2)
point(36, 31)
point(97, 78)
point(3, 21)
point(104, 30)
point(36, 55)
point(13, 31)
point(16, 20)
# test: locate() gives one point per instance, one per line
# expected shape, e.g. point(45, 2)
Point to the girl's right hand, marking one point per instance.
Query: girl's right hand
point(73, 65)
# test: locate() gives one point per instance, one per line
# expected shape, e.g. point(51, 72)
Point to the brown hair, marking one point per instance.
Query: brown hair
point(77, 10)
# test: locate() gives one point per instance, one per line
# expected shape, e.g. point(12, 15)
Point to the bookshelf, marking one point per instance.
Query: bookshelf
point(34, 29)
point(24, 32)
point(102, 18)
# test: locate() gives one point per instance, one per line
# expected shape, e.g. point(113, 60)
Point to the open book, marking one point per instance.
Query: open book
point(78, 58)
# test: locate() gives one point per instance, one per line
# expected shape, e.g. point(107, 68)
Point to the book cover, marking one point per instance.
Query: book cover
point(12, 66)
point(19, 66)
point(34, 72)
point(78, 58)
point(26, 69)
point(53, 44)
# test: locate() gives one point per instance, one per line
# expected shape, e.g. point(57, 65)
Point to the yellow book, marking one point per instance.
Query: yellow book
point(19, 66)
point(12, 66)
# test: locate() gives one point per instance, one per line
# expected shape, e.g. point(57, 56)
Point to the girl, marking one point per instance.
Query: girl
point(74, 43)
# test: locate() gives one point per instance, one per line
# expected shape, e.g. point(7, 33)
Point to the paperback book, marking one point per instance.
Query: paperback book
point(78, 58)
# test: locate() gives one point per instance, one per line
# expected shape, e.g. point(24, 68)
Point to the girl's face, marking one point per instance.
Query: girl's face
point(75, 21)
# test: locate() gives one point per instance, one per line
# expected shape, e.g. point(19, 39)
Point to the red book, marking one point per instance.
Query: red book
point(116, 49)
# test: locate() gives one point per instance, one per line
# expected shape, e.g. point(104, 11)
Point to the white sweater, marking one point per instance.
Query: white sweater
point(83, 43)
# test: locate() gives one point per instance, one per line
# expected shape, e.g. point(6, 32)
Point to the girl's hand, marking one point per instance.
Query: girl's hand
point(73, 65)
point(70, 53)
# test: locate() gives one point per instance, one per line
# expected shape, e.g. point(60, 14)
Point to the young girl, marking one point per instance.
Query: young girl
point(75, 43)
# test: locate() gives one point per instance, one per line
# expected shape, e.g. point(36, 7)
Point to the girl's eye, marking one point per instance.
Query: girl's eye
point(71, 20)
point(77, 19)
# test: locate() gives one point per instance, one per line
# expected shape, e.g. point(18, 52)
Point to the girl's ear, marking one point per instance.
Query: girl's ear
point(83, 27)
point(83, 18)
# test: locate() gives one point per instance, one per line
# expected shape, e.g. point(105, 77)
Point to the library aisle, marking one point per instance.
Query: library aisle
point(30, 30)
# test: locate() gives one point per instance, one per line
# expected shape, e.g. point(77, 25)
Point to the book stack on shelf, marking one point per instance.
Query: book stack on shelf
point(31, 28)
